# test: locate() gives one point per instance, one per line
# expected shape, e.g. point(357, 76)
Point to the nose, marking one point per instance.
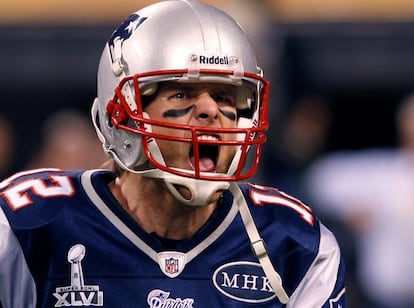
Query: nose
point(206, 109)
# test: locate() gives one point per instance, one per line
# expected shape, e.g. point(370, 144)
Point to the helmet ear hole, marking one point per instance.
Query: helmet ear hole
point(127, 148)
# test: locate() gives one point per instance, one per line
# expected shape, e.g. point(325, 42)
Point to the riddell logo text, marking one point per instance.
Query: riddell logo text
point(214, 60)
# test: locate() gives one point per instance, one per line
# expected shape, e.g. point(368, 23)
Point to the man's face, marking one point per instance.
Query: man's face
point(209, 105)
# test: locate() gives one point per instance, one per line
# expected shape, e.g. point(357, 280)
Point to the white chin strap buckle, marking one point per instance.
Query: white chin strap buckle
point(201, 191)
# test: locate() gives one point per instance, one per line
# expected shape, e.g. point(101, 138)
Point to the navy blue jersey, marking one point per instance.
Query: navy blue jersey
point(65, 241)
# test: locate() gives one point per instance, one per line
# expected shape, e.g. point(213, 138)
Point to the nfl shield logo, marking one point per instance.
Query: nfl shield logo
point(171, 266)
point(172, 263)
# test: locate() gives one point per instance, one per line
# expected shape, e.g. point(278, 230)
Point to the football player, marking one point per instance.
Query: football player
point(180, 104)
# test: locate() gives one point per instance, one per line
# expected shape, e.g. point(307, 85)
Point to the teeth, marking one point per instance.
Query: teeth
point(207, 137)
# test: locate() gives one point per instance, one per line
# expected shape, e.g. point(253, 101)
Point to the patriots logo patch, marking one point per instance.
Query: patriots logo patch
point(124, 32)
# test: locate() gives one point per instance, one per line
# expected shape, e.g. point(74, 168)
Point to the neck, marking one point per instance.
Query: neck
point(155, 209)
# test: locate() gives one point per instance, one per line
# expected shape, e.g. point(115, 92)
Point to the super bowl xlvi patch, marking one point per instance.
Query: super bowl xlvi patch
point(243, 281)
point(77, 293)
point(172, 263)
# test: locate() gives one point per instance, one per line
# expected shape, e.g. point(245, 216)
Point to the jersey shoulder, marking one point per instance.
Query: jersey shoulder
point(273, 205)
point(35, 197)
point(296, 239)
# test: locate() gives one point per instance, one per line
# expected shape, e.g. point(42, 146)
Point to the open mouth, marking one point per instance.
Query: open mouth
point(208, 154)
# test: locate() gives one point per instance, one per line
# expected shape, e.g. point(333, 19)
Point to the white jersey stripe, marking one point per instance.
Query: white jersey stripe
point(319, 281)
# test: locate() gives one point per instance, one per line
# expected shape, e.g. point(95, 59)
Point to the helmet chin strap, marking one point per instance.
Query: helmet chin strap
point(201, 191)
point(258, 245)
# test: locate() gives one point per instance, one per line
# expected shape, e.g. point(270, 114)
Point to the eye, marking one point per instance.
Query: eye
point(179, 96)
point(225, 99)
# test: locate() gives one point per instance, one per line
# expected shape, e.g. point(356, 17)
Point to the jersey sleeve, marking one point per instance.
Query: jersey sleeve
point(324, 283)
point(28, 200)
point(17, 286)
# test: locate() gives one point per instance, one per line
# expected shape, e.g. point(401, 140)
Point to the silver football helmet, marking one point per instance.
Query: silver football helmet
point(181, 41)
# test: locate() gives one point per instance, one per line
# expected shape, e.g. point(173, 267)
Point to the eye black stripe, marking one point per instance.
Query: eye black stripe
point(176, 113)
point(228, 114)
